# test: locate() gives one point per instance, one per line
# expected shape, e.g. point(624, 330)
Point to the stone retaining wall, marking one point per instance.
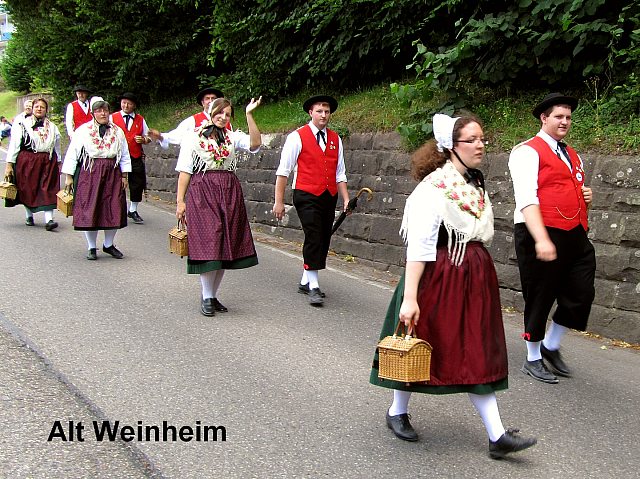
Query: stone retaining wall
point(371, 235)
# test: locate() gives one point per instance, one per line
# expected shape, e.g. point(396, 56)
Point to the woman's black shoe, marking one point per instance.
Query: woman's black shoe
point(509, 442)
point(401, 427)
point(218, 306)
point(207, 308)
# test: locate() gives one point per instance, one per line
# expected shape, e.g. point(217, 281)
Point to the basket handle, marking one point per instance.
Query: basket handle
point(407, 333)
point(9, 178)
point(68, 189)
point(181, 225)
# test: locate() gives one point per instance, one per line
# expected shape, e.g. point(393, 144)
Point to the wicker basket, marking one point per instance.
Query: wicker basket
point(178, 240)
point(64, 202)
point(8, 190)
point(404, 358)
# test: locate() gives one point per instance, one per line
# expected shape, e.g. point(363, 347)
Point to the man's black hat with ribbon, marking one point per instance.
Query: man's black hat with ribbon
point(81, 87)
point(309, 102)
point(129, 96)
point(553, 99)
point(207, 91)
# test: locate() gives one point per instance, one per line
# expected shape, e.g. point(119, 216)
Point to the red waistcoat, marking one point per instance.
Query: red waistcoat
point(137, 127)
point(79, 116)
point(560, 190)
point(317, 168)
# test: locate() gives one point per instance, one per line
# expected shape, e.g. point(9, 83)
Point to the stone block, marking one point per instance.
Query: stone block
point(387, 141)
point(606, 227)
point(501, 247)
point(615, 323)
point(617, 171)
point(389, 254)
point(386, 230)
point(508, 276)
point(358, 141)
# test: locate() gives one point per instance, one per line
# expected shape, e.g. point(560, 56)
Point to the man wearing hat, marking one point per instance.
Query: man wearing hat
point(78, 111)
point(556, 259)
point(314, 154)
point(136, 132)
point(205, 97)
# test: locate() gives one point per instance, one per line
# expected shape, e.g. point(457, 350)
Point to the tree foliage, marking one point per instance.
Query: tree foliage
point(113, 46)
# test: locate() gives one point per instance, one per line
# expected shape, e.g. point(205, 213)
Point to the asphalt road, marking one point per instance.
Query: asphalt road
point(123, 340)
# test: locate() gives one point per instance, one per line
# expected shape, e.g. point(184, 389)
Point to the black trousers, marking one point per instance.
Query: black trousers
point(137, 179)
point(568, 280)
point(316, 215)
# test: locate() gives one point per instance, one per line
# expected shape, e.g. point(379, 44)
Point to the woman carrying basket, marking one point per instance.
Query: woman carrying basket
point(449, 291)
point(34, 149)
point(211, 203)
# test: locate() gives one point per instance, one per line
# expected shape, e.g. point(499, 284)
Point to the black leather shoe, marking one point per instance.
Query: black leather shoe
point(207, 308)
point(51, 225)
point(218, 306)
point(113, 251)
point(554, 358)
point(135, 217)
point(537, 370)
point(91, 255)
point(315, 297)
point(509, 442)
point(401, 427)
point(29, 221)
point(304, 289)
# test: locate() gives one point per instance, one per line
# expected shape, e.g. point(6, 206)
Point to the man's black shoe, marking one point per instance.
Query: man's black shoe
point(537, 370)
point(508, 443)
point(304, 289)
point(135, 217)
point(218, 306)
point(113, 251)
point(401, 427)
point(51, 225)
point(207, 308)
point(29, 221)
point(91, 255)
point(554, 358)
point(315, 297)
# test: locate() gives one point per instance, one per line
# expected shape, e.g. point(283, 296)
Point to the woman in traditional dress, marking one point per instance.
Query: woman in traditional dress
point(211, 203)
point(34, 149)
point(449, 292)
point(97, 163)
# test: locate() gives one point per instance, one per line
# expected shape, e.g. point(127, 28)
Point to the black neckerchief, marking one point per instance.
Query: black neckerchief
point(472, 175)
point(102, 129)
point(217, 133)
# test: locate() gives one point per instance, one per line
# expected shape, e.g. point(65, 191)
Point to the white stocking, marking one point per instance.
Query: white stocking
point(487, 407)
point(400, 403)
point(91, 237)
point(109, 236)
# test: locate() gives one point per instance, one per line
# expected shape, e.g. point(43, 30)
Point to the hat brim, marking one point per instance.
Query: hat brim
point(81, 88)
point(556, 100)
point(309, 102)
point(207, 91)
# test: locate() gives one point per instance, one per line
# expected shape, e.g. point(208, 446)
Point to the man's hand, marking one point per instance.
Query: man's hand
point(278, 210)
point(546, 250)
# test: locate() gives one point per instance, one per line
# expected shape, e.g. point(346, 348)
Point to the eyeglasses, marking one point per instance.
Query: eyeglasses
point(474, 140)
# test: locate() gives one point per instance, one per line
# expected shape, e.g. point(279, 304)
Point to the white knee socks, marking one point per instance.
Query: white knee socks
point(109, 236)
point(533, 350)
point(133, 206)
point(48, 215)
point(91, 237)
point(312, 276)
point(487, 407)
point(400, 403)
point(554, 335)
point(210, 282)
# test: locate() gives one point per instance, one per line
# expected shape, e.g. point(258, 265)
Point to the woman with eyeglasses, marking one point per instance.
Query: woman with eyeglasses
point(97, 163)
point(33, 161)
point(449, 293)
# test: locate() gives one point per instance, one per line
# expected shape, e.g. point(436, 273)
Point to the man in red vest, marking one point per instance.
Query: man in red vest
point(174, 137)
point(315, 154)
point(137, 134)
point(556, 259)
point(78, 111)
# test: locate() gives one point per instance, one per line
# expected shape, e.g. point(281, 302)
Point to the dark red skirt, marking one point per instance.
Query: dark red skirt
point(217, 223)
point(461, 317)
point(37, 177)
point(99, 202)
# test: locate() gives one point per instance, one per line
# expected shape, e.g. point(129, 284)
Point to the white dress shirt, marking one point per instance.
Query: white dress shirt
point(68, 118)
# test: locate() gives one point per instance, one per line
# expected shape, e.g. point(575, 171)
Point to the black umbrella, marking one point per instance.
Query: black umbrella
point(353, 202)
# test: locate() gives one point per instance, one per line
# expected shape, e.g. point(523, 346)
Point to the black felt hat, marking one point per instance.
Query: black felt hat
point(554, 99)
point(206, 91)
point(129, 96)
point(309, 102)
point(81, 87)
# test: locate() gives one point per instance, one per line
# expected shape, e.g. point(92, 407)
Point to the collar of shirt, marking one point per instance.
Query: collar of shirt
point(551, 141)
point(132, 114)
point(315, 130)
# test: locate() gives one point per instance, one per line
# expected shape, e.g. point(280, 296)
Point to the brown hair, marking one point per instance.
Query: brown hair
point(41, 100)
point(427, 158)
point(218, 105)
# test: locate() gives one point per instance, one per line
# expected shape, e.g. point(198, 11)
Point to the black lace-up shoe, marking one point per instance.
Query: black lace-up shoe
point(401, 427)
point(537, 370)
point(91, 255)
point(29, 221)
point(304, 289)
point(315, 297)
point(113, 251)
point(207, 308)
point(218, 306)
point(135, 217)
point(554, 358)
point(51, 225)
point(509, 442)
